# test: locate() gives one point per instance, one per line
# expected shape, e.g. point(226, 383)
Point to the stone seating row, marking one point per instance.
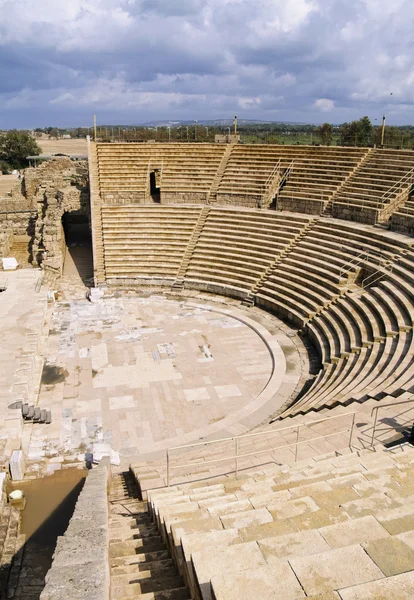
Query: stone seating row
point(124, 167)
point(236, 247)
point(146, 241)
point(364, 337)
point(370, 187)
point(349, 286)
point(252, 173)
point(339, 527)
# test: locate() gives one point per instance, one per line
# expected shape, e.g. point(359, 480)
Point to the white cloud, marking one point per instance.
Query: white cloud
point(324, 104)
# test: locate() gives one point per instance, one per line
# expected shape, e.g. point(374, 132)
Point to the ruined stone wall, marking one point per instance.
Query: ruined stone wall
point(37, 203)
point(55, 187)
point(80, 567)
point(21, 222)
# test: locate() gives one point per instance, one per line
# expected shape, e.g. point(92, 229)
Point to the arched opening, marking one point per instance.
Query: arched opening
point(77, 247)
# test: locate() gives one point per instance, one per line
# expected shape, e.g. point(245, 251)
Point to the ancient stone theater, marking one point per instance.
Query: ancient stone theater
point(207, 374)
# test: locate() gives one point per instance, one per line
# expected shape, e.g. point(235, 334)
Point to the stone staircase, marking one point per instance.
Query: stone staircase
point(249, 300)
point(141, 565)
point(327, 212)
point(188, 253)
point(212, 197)
point(96, 216)
point(333, 527)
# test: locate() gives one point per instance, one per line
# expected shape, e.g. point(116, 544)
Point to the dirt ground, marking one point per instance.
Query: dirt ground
point(63, 146)
point(6, 184)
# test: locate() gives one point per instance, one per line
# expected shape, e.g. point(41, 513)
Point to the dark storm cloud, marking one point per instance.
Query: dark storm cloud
point(134, 60)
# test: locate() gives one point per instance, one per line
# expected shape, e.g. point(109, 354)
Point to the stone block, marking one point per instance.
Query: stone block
point(352, 532)
point(400, 587)
point(90, 580)
point(267, 530)
point(74, 550)
point(391, 555)
point(302, 543)
point(321, 518)
point(17, 465)
point(214, 540)
point(397, 520)
point(269, 582)
point(242, 519)
point(336, 569)
point(240, 557)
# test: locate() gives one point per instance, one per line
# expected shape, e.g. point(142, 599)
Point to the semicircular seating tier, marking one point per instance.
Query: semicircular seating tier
point(366, 185)
point(348, 287)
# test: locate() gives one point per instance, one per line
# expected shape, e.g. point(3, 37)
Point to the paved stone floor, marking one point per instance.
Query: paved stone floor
point(23, 317)
point(144, 373)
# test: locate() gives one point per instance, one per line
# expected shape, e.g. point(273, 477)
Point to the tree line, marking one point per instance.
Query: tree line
point(363, 133)
point(15, 146)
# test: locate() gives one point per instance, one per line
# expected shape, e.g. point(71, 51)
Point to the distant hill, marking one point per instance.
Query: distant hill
point(214, 123)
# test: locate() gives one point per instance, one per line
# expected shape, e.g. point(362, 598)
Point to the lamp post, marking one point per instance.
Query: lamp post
point(207, 133)
point(235, 128)
point(383, 130)
point(195, 130)
point(188, 139)
point(169, 134)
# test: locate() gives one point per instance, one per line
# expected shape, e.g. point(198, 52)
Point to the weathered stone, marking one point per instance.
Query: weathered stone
point(391, 555)
point(334, 570)
point(270, 582)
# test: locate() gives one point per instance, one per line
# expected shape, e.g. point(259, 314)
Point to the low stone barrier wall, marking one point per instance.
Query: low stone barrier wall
point(80, 567)
point(184, 197)
point(403, 223)
point(239, 200)
point(307, 206)
point(355, 212)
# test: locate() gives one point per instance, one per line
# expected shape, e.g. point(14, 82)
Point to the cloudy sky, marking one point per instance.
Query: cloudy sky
point(130, 61)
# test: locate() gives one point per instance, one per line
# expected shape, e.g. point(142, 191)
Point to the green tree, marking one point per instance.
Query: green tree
point(325, 133)
point(357, 133)
point(15, 146)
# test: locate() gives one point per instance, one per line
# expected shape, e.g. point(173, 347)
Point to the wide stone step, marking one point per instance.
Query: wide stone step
point(134, 559)
point(145, 586)
point(181, 593)
point(139, 546)
point(154, 566)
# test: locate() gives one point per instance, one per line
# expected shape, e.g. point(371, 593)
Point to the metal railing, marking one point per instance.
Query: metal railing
point(396, 188)
point(377, 408)
point(377, 275)
point(354, 262)
point(286, 174)
point(273, 172)
point(236, 456)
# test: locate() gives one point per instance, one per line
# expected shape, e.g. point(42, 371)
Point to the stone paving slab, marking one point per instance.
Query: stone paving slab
point(336, 569)
point(146, 373)
point(270, 582)
point(353, 532)
point(400, 587)
point(391, 555)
